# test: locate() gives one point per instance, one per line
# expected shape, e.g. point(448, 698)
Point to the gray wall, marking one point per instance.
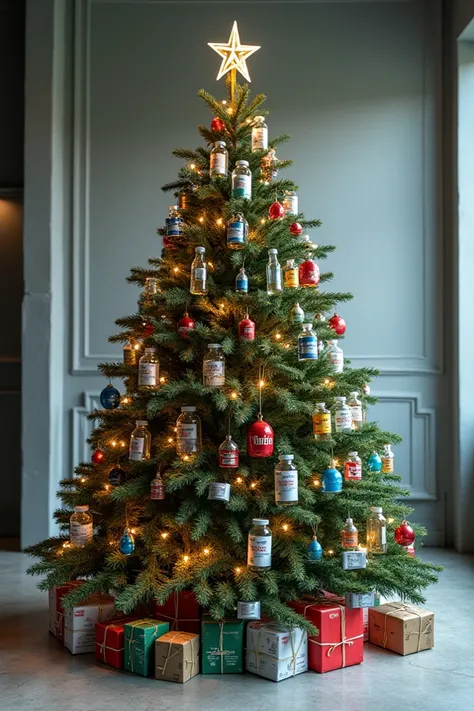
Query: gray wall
point(357, 86)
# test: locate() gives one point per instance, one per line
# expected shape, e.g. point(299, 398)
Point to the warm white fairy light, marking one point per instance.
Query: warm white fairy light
point(277, 336)
point(239, 480)
point(186, 558)
point(162, 379)
point(201, 219)
point(238, 570)
point(330, 551)
point(253, 485)
point(261, 384)
point(206, 551)
point(390, 520)
point(170, 440)
point(176, 270)
point(164, 534)
point(83, 479)
point(285, 527)
point(219, 221)
point(113, 443)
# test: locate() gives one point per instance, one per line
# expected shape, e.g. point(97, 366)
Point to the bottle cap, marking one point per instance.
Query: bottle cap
point(141, 423)
point(341, 398)
point(174, 207)
point(290, 262)
point(260, 521)
point(320, 404)
point(352, 454)
point(259, 118)
point(376, 509)
point(200, 249)
point(307, 326)
point(354, 393)
point(188, 408)
point(214, 345)
point(242, 162)
point(273, 251)
point(81, 509)
point(220, 144)
point(332, 343)
point(286, 457)
point(349, 522)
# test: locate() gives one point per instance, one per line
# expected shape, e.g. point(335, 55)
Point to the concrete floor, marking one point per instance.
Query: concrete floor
point(36, 674)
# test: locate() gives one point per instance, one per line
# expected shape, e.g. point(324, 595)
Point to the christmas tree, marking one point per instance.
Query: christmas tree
point(177, 515)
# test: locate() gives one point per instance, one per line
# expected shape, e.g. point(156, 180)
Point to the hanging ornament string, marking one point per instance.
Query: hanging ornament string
point(261, 383)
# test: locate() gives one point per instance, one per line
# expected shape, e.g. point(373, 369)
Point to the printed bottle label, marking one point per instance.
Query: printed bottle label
point(186, 437)
point(286, 486)
point(80, 533)
point(248, 610)
point(343, 420)
point(129, 356)
point(291, 278)
point(218, 164)
point(157, 490)
point(235, 233)
point(147, 374)
point(214, 373)
point(383, 535)
point(199, 274)
point(387, 465)
point(242, 283)
point(349, 539)
point(307, 348)
point(259, 138)
point(219, 492)
point(242, 186)
point(322, 423)
point(356, 411)
point(247, 333)
point(352, 470)
point(290, 204)
point(174, 226)
point(228, 458)
point(137, 445)
point(259, 552)
point(274, 277)
point(337, 359)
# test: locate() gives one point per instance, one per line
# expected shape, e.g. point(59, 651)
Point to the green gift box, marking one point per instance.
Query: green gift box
point(222, 646)
point(139, 645)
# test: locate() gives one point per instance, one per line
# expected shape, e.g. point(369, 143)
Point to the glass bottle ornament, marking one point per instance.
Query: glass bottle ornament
point(276, 211)
point(260, 439)
point(183, 200)
point(146, 297)
point(246, 329)
point(268, 166)
point(388, 459)
point(140, 442)
point(110, 397)
point(290, 202)
point(237, 232)
point(274, 285)
point(341, 415)
point(355, 406)
point(97, 456)
point(286, 481)
point(321, 422)
point(307, 343)
point(353, 467)
point(185, 325)
point(174, 223)
point(366, 389)
point(308, 272)
point(242, 180)
point(198, 284)
point(188, 432)
point(219, 160)
point(157, 488)
point(349, 535)
point(116, 476)
point(337, 324)
point(296, 314)
point(149, 370)
point(130, 354)
point(80, 527)
point(331, 481)
point(291, 275)
point(314, 549)
point(259, 138)
point(336, 356)
point(259, 551)
point(374, 463)
point(376, 531)
point(228, 454)
point(404, 534)
point(127, 543)
point(242, 282)
point(213, 366)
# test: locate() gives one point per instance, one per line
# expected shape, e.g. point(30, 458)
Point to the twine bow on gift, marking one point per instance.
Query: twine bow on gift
point(131, 641)
point(402, 607)
point(170, 656)
point(103, 645)
point(345, 641)
point(259, 654)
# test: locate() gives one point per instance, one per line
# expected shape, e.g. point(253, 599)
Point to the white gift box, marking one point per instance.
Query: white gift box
point(275, 652)
point(84, 616)
point(81, 642)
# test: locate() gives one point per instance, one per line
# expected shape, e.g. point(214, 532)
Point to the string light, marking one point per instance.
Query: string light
point(261, 384)
point(229, 110)
point(186, 458)
point(239, 480)
point(113, 443)
point(211, 265)
point(330, 551)
point(175, 429)
point(263, 220)
point(164, 534)
point(186, 558)
point(107, 487)
point(170, 440)
point(125, 400)
point(285, 527)
point(316, 482)
point(133, 530)
point(111, 543)
point(162, 379)
point(137, 346)
point(253, 485)
point(206, 551)
point(277, 336)
point(83, 479)
point(201, 219)
point(193, 166)
point(176, 270)
point(66, 544)
point(219, 221)
point(390, 520)
point(238, 570)
point(335, 462)
point(326, 382)
point(122, 444)
point(287, 345)
point(224, 101)
point(234, 395)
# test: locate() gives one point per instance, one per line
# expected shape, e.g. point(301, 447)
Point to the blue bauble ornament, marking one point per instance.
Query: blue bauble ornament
point(127, 543)
point(374, 463)
point(110, 397)
point(331, 482)
point(314, 549)
point(116, 476)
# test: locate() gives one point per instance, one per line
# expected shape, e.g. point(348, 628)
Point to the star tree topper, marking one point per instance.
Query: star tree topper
point(234, 54)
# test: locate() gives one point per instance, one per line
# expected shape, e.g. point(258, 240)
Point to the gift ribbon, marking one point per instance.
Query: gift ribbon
point(103, 646)
point(131, 641)
point(174, 618)
point(345, 641)
point(221, 652)
point(258, 654)
point(170, 656)
point(402, 607)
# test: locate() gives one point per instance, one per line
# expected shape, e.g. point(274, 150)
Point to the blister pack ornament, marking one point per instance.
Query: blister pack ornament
point(219, 491)
point(248, 610)
point(110, 397)
point(353, 560)
point(357, 600)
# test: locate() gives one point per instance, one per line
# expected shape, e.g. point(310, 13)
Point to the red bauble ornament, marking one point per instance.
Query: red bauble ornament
point(404, 535)
point(308, 272)
point(97, 456)
point(217, 125)
point(148, 328)
point(410, 550)
point(295, 228)
point(260, 439)
point(276, 211)
point(185, 325)
point(168, 242)
point(337, 324)
point(246, 329)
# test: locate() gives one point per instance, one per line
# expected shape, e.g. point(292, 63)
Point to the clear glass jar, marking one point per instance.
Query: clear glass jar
point(388, 459)
point(273, 273)
point(174, 222)
point(286, 481)
point(237, 232)
point(129, 354)
point(349, 535)
point(290, 275)
point(290, 202)
point(242, 180)
point(149, 370)
point(356, 410)
point(213, 367)
point(296, 314)
point(259, 134)
point(307, 343)
point(157, 488)
point(188, 432)
point(322, 422)
point(80, 527)
point(242, 282)
point(376, 530)
point(146, 297)
point(228, 454)
point(219, 160)
point(341, 415)
point(259, 551)
point(268, 166)
point(198, 284)
point(336, 356)
point(353, 467)
point(140, 442)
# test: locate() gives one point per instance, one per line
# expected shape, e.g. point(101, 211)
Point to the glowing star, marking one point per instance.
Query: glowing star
point(234, 54)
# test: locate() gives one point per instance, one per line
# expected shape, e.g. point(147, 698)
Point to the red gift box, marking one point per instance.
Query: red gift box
point(181, 610)
point(109, 641)
point(56, 610)
point(340, 642)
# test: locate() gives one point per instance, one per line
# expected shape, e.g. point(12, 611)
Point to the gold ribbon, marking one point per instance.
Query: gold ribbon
point(258, 653)
point(345, 641)
point(170, 656)
point(402, 607)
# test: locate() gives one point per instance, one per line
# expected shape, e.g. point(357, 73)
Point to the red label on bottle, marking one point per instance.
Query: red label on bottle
point(228, 458)
point(246, 330)
point(352, 470)
point(157, 490)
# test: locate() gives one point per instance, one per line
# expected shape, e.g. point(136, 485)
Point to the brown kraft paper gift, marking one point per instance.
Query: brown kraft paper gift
point(401, 628)
point(177, 656)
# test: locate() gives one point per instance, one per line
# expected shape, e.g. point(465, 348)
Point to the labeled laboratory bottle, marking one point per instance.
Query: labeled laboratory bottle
point(273, 273)
point(307, 343)
point(246, 329)
point(242, 180)
point(308, 270)
point(296, 314)
point(80, 527)
point(353, 467)
point(213, 367)
point(259, 551)
point(140, 442)
point(237, 232)
point(242, 282)
point(321, 422)
point(174, 222)
point(341, 415)
point(259, 134)
point(129, 354)
point(219, 160)
point(188, 432)
point(355, 406)
point(336, 356)
point(157, 488)
point(228, 454)
point(149, 370)
point(349, 535)
point(146, 297)
point(290, 275)
point(286, 481)
point(376, 529)
point(290, 202)
point(198, 284)
point(387, 459)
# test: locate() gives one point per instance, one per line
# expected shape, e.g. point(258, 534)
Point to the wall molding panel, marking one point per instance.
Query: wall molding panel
point(82, 428)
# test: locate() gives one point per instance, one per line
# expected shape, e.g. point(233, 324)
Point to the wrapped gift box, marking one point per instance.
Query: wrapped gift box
point(139, 644)
point(275, 652)
point(181, 610)
point(80, 621)
point(80, 642)
point(402, 628)
point(109, 641)
point(222, 646)
point(56, 610)
point(340, 639)
point(177, 656)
